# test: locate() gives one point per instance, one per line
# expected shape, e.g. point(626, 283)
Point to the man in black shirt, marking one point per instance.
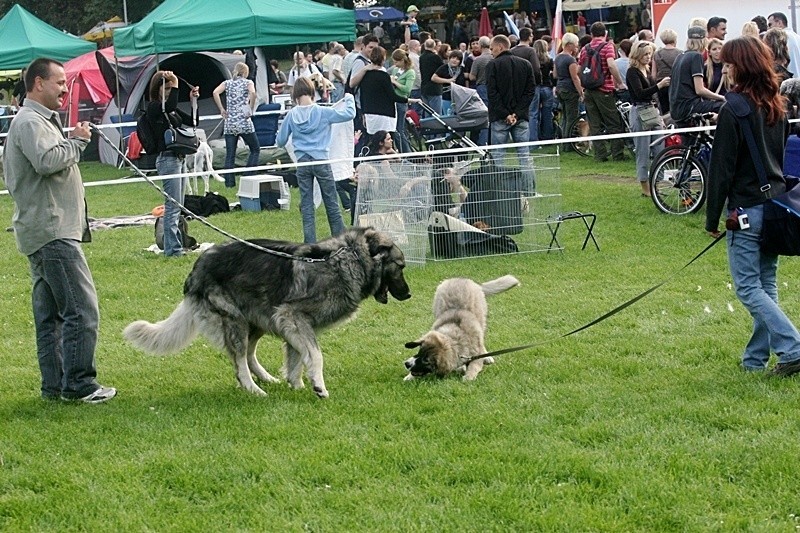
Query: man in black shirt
point(430, 91)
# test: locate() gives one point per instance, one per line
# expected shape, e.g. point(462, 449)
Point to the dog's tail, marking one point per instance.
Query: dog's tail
point(499, 285)
point(171, 335)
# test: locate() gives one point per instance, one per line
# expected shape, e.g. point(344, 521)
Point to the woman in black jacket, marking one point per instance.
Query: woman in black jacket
point(378, 96)
point(162, 113)
point(642, 89)
point(733, 178)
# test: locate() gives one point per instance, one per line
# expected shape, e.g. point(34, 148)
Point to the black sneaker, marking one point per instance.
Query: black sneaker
point(786, 369)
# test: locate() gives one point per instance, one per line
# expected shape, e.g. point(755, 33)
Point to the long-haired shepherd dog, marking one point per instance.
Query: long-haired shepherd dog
point(459, 312)
point(237, 293)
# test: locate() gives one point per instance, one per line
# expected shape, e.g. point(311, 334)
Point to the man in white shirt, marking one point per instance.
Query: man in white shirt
point(414, 48)
point(301, 69)
point(336, 75)
point(327, 58)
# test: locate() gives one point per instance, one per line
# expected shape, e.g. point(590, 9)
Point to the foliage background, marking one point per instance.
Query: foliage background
point(77, 17)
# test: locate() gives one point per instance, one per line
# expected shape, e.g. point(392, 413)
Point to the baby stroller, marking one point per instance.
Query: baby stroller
point(470, 116)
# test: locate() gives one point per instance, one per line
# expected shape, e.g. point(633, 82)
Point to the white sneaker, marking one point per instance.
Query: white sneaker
point(103, 394)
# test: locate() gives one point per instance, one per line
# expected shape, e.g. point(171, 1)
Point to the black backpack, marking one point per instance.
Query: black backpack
point(189, 242)
point(347, 87)
point(144, 130)
point(592, 75)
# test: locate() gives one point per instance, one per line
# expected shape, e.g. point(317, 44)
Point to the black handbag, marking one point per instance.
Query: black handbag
point(181, 141)
point(780, 231)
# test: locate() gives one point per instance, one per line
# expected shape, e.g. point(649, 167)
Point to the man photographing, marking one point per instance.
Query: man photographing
point(42, 176)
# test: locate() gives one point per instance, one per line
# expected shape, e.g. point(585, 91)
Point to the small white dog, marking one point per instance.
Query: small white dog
point(201, 162)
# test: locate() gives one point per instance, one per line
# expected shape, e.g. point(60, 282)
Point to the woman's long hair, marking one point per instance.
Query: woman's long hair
point(754, 76)
point(376, 141)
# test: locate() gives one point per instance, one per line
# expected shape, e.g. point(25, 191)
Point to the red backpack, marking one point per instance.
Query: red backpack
point(592, 75)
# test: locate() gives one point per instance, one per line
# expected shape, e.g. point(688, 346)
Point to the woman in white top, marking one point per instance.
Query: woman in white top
point(240, 98)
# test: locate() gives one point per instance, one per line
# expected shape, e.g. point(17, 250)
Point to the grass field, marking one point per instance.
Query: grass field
point(641, 423)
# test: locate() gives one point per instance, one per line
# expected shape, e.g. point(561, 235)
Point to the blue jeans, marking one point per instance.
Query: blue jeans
point(547, 102)
point(502, 133)
point(338, 91)
point(754, 277)
point(251, 139)
point(67, 317)
point(167, 164)
point(434, 102)
point(533, 117)
point(327, 186)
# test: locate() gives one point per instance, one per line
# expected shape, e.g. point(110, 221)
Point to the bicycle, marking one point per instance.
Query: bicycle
point(678, 173)
point(581, 129)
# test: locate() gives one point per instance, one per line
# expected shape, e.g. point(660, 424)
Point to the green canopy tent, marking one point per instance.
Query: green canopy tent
point(23, 38)
point(192, 25)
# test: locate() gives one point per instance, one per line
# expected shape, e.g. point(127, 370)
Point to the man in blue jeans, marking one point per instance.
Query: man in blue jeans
point(42, 176)
point(510, 88)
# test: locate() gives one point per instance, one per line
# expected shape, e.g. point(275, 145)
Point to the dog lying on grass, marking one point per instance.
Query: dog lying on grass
point(236, 293)
point(459, 312)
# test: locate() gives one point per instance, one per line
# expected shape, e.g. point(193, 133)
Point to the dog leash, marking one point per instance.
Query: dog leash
point(600, 318)
point(205, 221)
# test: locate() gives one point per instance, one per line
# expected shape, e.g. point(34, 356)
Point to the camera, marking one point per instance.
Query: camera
point(737, 220)
point(744, 221)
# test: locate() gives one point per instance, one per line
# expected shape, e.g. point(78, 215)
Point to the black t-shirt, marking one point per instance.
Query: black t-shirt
point(682, 97)
point(446, 71)
point(429, 62)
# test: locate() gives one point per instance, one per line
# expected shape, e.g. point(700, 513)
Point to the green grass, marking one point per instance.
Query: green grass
point(641, 423)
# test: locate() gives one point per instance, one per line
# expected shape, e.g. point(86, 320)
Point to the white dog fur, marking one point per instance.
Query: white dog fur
point(202, 161)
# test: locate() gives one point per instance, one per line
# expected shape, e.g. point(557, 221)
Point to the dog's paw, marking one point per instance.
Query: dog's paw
point(322, 393)
point(297, 385)
point(255, 389)
point(488, 360)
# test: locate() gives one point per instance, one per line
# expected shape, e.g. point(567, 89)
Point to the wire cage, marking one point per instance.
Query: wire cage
point(444, 207)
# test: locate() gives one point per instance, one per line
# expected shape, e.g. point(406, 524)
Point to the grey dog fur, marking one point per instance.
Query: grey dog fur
point(235, 294)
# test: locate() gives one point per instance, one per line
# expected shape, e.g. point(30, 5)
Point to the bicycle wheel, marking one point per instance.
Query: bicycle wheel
point(581, 129)
point(678, 182)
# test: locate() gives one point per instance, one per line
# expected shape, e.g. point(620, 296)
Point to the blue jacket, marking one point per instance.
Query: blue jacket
point(310, 128)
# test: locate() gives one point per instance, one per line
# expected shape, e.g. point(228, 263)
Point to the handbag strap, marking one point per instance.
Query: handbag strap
point(164, 105)
point(741, 110)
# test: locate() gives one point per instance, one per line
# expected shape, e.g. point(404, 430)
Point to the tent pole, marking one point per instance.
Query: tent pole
point(119, 105)
point(549, 15)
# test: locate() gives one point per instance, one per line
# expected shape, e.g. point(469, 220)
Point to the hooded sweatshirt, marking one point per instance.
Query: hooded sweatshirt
point(310, 127)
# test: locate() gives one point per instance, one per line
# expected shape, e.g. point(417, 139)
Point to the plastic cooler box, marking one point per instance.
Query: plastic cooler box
point(253, 190)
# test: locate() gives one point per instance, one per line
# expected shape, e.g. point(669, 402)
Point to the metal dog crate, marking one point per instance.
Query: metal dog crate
point(445, 207)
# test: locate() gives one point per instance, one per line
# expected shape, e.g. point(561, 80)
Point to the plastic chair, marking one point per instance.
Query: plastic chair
point(266, 125)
